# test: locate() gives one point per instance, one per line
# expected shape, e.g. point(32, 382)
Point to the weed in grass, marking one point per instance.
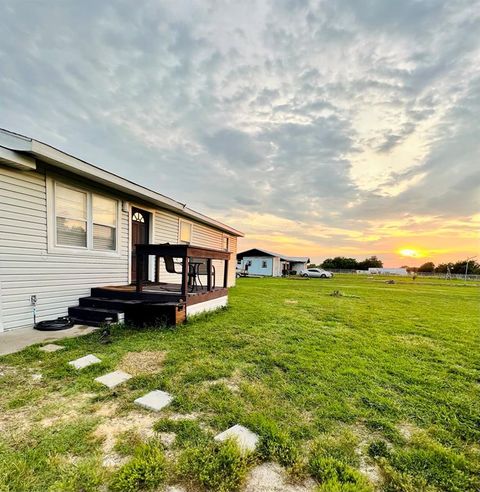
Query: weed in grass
point(127, 442)
point(335, 475)
point(27, 397)
point(31, 462)
point(435, 465)
point(147, 470)
point(383, 425)
point(215, 466)
point(341, 446)
point(188, 432)
point(86, 476)
point(277, 445)
point(378, 449)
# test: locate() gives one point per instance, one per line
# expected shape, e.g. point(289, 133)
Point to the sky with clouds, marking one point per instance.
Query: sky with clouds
point(320, 128)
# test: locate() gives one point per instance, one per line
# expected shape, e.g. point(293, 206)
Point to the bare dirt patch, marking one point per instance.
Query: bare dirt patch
point(107, 409)
point(407, 430)
point(270, 477)
point(290, 301)
point(184, 416)
point(366, 466)
point(232, 383)
point(110, 429)
point(371, 471)
point(137, 363)
point(46, 413)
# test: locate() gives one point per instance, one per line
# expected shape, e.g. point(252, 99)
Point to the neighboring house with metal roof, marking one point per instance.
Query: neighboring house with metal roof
point(67, 226)
point(267, 263)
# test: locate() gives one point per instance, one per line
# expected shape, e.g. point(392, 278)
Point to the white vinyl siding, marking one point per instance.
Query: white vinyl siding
point(166, 230)
point(203, 235)
point(28, 268)
point(29, 265)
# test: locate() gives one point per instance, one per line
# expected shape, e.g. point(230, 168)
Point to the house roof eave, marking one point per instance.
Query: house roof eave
point(20, 144)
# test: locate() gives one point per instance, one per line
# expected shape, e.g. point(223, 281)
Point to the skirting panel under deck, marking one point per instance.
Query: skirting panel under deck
point(209, 305)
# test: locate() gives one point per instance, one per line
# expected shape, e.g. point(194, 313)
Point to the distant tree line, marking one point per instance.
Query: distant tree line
point(458, 267)
point(342, 263)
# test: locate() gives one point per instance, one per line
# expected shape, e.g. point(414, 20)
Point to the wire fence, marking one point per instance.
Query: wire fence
point(457, 276)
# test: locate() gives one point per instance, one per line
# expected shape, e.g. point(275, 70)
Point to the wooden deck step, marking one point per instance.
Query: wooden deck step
point(88, 315)
point(106, 303)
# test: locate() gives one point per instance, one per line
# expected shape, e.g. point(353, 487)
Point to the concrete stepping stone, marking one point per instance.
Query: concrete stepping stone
point(155, 400)
point(83, 362)
point(246, 439)
point(113, 379)
point(51, 347)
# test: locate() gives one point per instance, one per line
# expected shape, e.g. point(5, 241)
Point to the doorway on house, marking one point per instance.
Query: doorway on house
point(140, 235)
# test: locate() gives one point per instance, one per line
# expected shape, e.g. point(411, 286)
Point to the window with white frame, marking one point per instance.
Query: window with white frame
point(185, 232)
point(84, 219)
point(104, 212)
point(70, 217)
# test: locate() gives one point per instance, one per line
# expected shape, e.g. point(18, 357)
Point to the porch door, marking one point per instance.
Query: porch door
point(140, 233)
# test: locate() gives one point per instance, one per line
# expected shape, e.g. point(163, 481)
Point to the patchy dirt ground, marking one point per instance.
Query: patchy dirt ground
point(270, 477)
point(138, 363)
point(232, 383)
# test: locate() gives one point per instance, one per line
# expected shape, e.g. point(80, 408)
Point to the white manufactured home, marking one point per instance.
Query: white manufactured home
point(388, 271)
point(73, 236)
point(266, 263)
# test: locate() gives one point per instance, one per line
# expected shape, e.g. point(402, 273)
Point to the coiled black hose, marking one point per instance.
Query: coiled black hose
point(61, 323)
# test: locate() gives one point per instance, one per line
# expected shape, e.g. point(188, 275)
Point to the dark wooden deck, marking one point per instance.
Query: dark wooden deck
point(147, 303)
point(160, 292)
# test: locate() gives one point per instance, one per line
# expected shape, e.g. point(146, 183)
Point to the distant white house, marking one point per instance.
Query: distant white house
point(266, 263)
point(388, 271)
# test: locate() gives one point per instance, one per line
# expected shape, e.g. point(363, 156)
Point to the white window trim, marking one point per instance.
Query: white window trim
point(53, 247)
point(179, 231)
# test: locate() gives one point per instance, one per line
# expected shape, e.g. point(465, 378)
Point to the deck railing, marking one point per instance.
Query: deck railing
point(184, 252)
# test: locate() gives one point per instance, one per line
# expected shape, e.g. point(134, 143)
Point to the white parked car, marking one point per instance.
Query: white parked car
point(316, 273)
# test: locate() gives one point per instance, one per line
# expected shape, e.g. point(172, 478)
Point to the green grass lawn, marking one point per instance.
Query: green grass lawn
point(374, 389)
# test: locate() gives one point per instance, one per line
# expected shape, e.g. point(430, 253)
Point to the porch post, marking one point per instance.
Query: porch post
point(225, 274)
point(139, 271)
point(185, 267)
point(157, 269)
point(209, 274)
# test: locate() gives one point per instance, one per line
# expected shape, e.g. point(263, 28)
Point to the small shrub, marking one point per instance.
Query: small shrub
point(378, 449)
point(146, 470)
point(335, 475)
point(215, 466)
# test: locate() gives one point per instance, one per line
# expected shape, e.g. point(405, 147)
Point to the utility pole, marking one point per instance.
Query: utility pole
point(466, 266)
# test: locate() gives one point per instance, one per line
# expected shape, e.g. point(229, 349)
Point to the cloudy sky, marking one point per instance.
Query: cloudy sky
point(321, 128)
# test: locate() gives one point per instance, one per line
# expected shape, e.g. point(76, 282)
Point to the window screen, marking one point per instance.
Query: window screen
point(104, 211)
point(70, 217)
